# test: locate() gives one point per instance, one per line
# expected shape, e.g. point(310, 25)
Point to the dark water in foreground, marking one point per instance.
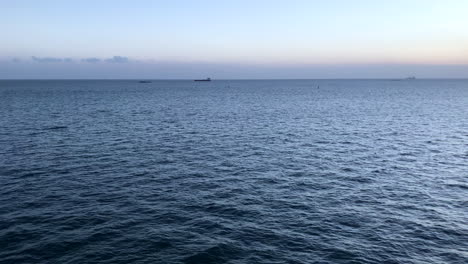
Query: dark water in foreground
point(234, 172)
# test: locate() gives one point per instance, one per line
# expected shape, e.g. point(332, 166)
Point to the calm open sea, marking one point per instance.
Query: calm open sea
point(303, 171)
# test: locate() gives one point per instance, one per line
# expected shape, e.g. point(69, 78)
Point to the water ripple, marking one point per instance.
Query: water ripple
point(234, 172)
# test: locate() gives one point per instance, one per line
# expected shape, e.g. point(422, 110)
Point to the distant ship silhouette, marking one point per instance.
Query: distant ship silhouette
point(410, 78)
point(203, 80)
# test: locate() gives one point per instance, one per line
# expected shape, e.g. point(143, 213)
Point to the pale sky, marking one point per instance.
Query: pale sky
point(233, 39)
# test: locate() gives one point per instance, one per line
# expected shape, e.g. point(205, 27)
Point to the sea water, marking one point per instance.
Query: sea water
point(283, 171)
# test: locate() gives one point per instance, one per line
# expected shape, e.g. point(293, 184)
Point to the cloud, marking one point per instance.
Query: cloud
point(51, 59)
point(16, 60)
point(114, 59)
point(91, 60)
point(46, 59)
point(117, 59)
point(194, 70)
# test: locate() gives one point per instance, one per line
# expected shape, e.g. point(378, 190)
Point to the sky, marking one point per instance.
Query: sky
point(233, 39)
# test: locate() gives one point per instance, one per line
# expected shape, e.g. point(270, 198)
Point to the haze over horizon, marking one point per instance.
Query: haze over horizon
point(241, 40)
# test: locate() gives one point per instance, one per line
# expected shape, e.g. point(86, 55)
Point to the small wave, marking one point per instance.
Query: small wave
point(346, 169)
point(458, 185)
point(56, 128)
point(218, 254)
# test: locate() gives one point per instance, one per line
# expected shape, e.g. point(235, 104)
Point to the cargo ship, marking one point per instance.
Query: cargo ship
point(203, 80)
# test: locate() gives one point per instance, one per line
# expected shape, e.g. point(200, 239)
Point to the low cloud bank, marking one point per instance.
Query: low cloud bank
point(117, 59)
point(91, 60)
point(114, 59)
point(50, 59)
point(119, 67)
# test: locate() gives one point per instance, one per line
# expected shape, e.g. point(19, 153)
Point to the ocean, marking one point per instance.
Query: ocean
point(234, 171)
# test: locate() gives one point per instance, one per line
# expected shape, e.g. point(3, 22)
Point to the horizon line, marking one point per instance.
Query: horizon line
point(224, 79)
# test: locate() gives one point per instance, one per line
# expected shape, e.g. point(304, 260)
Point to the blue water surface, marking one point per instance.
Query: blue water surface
point(285, 171)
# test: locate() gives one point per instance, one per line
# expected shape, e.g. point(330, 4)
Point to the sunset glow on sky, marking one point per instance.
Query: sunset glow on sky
point(296, 33)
